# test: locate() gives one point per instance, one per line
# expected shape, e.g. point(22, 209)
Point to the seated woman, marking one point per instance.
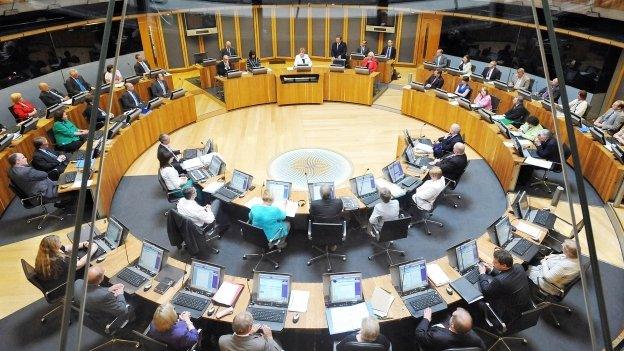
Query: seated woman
point(531, 128)
point(178, 333)
point(68, 137)
point(369, 333)
point(465, 66)
point(463, 89)
point(556, 270)
point(483, 99)
point(386, 210)
point(370, 62)
point(52, 262)
point(271, 219)
point(22, 108)
point(252, 60)
point(109, 78)
point(173, 180)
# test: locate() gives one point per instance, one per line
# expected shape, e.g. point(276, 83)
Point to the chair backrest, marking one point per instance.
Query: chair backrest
point(364, 346)
point(531, 82)
point(31, 275)
point(527, 319)
point(438, 199)
point(394, 229)
point(254, 235)
point(51, 137)
point(453, 184)
point(323, 234)
point(149, 344)
point(24, 198)
point(495, 103)
point(13, 114)
point(566, 289)
point(170, 194)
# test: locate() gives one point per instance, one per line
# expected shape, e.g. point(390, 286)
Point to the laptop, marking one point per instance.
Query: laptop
point(199, 289)
point(269, 299)
point(486, 115)
point(365, 189)
point(411, 283)
point(394, 172)
point(502, 85)
point(314, 190)
point(192, 153)
point(114, 236)
point(151, 261)
point(279, 190)
point(522, 210)
point(464, 258)
point(215, 167)
point(237, 186)
point(501, 235)
point(416, 161)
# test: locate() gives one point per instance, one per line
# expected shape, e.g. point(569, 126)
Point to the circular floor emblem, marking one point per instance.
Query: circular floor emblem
point(320, 165)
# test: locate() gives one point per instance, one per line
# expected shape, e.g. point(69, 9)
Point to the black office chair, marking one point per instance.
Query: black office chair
point(196, 240)
point(54, 297)
point(556, 168)
point(148, 344)
point(427, 214)
point(495, 103)
point(17, 119)
point(173, 196)
point(452, 184)
point(554, 239)
point(29, 202)
point(51, 138)
point(539, 294)
point(503, 332)
point(361, 346)
point(256, 237)
point(391, 230)
point(531, 82)
point(326, 235)
point(110, 330)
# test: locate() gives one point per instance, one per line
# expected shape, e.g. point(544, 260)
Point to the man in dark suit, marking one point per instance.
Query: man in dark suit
point(440, 59)
point(224, 66)
point(75, 84)
point(47, 160)
point(103, 304)
point(543, 94)
point(101, 114)
point(159, 88)
point(29, 180)
point(130, 99)
point(141, 66)
point(454, 165)
point(389, 51)
point(456, 333)
point(228, 50)
point(446, 143)
point(506, 286)
point(491, 72)
point(363, 48)
point(164, 146)
point(547, 146)
point(517, 113)
point(339, 49)
point(50, 96)
point(326, 210)
point(435, 81)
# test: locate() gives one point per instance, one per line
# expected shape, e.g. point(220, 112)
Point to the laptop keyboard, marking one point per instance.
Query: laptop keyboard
point(70, 177)
point(131, 277)
point(472, 275)
point(227, 192)
point(533, 153)
point(543, 218)
point(409, 181)
point(199, 174)
point(521, 247)
point(369, 198)
point(262, 314)
point(429, 299)
point(190, 301)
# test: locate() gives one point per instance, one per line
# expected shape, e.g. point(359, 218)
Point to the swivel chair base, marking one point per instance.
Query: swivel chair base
point(544, 182)
point(110, 344)
point(501, 339)
point(450, 196)
point(326, 254)
point(385, 249)
point(263, 256)
point(43, 216)
point(425, 221)
point(44, 318)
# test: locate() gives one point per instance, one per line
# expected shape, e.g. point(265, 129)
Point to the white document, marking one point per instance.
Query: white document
point(424, 147)
point(515, 132)
point(608, 147)
point(348, 318)
point(205, 159)
point(538, 162)
point(193, 163)
point(508, 144)
point(451, 95)
point(437, 275)
point(298, 301)
point(453, 102)
point(474, 105)
point(498, 117)
point(395, 190)
point(78, 180)
point(290, 208)
point(531, 230)
point(213, 187)
point(381, 302)
point(525, 142)
point(66, 102)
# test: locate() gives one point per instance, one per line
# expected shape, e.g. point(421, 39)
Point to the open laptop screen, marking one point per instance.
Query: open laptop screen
point(409, 154)
point(395, 171)
point(523, 204)
point(215, 165)
point(467, 255)
point(273, 288)
point(151, 257)
point(279, 190)
point(113, 233)
point(365, 184)
point(207, 147)
point(315, 190)
point(503, 230)
point(345, 287)
point(413, 275)
point(205, 276)
point(240, 181)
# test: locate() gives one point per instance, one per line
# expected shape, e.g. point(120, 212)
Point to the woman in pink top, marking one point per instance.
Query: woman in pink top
point(484, 99)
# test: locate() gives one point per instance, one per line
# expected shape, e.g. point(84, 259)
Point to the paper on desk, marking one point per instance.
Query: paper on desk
point(290, 208)
point(525, 142)
point(348, 318)
point(424, 147)
point(538, 162)
point(213, 187)
point(78, 180)
point(437, 275)
point(298, 301)
point(498, 117)
point(453, 102)
point(515, 132)
point(608, 147)
point(192, 163)
point(508, 144)
point(381, 302)
point(66, 102)
point(395, 190)
point(531, 230)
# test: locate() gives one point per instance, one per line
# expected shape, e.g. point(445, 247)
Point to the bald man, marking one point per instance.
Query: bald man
point(50, 96)
point(246, 336)
point(439, 337)
point(75, 84)
point(228, 50)
point(454, 165)
point(445, 144)
point(130, 99)
point(103, 304)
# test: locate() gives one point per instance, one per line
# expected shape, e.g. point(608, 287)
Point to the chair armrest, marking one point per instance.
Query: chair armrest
point(55, 291)
point(38, 197)
point(117, 323)
point(309, 229)
point(542, 280)
point(491, 317)
point(344, 230)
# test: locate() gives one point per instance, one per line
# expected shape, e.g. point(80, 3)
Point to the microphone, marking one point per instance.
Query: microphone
point(126, 251)
point(421, 130)
point(249, 290)
point(306, 177)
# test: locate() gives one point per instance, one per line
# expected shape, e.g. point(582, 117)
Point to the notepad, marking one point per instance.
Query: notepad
point(529, 229)
point(538, 162)
point(424, 147)
point(298, 301)
point(436, 274)
point(346, 319)
point(381, 302)
point(213, 187)
point(227, 294)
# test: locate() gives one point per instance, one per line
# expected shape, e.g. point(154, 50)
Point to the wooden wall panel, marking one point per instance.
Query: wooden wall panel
point(319, 17)
point(408, 37)
point(428, 38)
point(248, 39)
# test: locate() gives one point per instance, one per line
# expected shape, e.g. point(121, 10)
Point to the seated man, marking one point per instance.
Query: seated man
point(228, 50)
point(517, 113)
point(165, 140)
point(100, 114)
point(302, 59)
point(556, 270)
point(428, 192)
point(201, 216)
point(506, 286)
point(130, 99)
point(547, 146)
point(454, 165)
point(75, 84)
point(29, 180)
point(47, 160)
point(386, 210)
point(159, 88)
point(520, 80)
point(103, 304)
point(326, 209)
point(246, 336)
point(368, 333)
point(554, 85)
point(435, 81)
point(141, 66)
point(440, 59)
point(455, 333)
point(579, 105)
point(363, 48)
point(224, 66)
point(491, 72)
point(612, 120)
point(445, 144)
point(50, 96)
point(271, 219)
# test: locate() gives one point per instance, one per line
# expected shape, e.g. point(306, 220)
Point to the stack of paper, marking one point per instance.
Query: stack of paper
point(529, 229)
point(396, 190)
point(298, 301)
point(381, 302)
point(538, 162)
point(213, 187)
point(193, 163)
point(498, 117)
point(423, 147)
point(347, 318)
point(436, 274)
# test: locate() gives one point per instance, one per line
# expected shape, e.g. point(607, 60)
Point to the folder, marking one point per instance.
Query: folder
point(228, 294)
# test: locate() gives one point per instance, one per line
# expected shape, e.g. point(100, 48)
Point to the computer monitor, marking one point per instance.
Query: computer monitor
point(466, 255)
point(417, 86)
point(502, 128)
point(410, 157)
point(595, 132)
point(279, 190)
point(486, 115)
point(132, 115)
point(5, 141)
point(546, 105)
point(132, 79)
point(441, 94)
point(500, 231)
point(408, 138)
point(199, 57)
point(465, 103)
point(79, 98)
point(618, 152)
point(154, 103)
point(115, 233)
point(105, 88)
point(395, 171)
point(241, 181)
point(525, 94)
point(216, 165)
point(153, 73)
point(114, 130)
point(523, 205)
point(28, 125)
point(413, 275)
point(517, 145)
point(272, 288)
point(206, 276)
point(52, 110)
point(576, 119)
point(365, 184)
point(501, 85)
point(343, 287)
point(178, 93)
point(152, 257)
point(315, 190)
point(207, 147)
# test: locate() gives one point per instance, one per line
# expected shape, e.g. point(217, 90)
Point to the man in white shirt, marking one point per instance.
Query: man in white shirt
point(429, 191)
point(302, 59)
point(556, 270)
point(200, 215)
point(579, 105)
point(387, 209)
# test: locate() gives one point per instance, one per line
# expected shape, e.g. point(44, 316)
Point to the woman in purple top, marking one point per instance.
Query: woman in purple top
point(179, 333)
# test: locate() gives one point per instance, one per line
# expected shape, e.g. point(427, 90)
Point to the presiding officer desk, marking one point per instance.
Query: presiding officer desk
point(598, 165)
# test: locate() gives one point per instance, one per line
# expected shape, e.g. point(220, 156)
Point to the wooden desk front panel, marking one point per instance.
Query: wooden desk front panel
point(249, 90)
point(300, 93)
point(385, 69)
point(207, 75)
point(349, 86)
point(143, 87)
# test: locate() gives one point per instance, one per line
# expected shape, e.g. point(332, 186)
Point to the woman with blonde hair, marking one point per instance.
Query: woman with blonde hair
point(483, 99)
point(178, 332)
point(52, 262)
point(369, 333)
point(22, 108)
point(271, 219)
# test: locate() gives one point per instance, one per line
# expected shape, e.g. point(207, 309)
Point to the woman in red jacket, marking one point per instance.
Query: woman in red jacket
point(370, 62)
point(22, 109)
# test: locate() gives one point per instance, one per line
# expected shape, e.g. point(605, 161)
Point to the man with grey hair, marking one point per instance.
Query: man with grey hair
point(327, 209)
point(547, 146)
point(248, 336)
point(368, 333)
point(454, 165)
point(556, 271)
point(386, 210)
point(445, 144)
point(613, 119)
point(29, 180)
point(76, 84)
point(165, 145)
point(455, 333)
point(228, 50)
point(130, 99)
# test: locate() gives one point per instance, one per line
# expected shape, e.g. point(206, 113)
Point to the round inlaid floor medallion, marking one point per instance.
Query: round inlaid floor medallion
point(310, 165)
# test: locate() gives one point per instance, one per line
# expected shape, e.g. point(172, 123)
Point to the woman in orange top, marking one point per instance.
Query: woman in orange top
point(22, 109)
point(370, 62)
